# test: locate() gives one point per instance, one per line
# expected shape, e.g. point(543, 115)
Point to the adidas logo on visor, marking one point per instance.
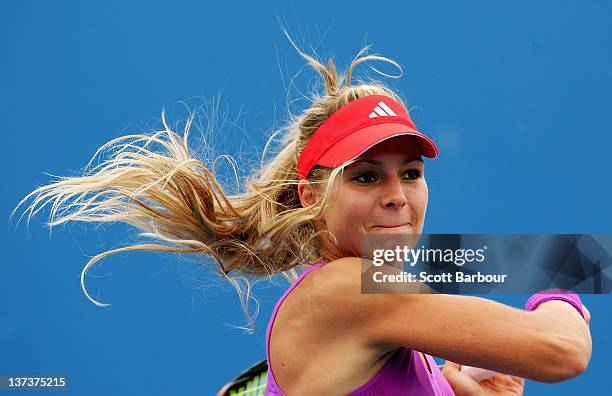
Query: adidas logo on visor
point(382, 110)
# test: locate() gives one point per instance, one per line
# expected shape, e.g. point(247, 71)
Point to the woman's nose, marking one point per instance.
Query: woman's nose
point(393, 194)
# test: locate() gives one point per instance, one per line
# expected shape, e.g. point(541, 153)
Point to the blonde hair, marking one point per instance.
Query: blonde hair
point(173, 198)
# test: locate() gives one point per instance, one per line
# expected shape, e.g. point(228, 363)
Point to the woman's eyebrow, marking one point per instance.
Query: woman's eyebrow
point(379, 163)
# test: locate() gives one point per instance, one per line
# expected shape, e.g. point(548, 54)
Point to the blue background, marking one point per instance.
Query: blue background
point(516, 94)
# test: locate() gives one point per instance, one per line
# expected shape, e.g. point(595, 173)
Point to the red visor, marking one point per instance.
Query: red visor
point(355, 128)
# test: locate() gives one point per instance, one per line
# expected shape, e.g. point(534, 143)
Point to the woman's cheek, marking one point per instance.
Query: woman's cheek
point(357, 214)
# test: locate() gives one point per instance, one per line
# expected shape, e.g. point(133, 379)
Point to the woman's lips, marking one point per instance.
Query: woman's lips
point(401, 227)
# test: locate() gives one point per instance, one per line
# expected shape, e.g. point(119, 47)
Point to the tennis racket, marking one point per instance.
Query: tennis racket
point(252, 382)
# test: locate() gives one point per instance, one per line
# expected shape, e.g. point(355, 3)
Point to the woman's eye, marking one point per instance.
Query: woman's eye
point(365, 178)
point(413, 173)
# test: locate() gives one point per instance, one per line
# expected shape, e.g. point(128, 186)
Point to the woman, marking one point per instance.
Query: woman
point(325, 337)
point(350, 165)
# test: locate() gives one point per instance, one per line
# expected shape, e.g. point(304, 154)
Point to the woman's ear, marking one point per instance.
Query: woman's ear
point(308, 196)
point(306, 193)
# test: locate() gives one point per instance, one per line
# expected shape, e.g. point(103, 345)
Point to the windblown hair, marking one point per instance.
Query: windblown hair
point(173, 198)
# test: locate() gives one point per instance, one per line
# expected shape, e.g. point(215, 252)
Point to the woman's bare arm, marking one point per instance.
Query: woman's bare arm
point(550, 344)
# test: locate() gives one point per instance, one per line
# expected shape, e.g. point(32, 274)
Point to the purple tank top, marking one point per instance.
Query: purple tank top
point(403, 374)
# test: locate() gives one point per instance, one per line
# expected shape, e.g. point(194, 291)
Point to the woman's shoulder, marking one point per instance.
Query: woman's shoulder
point(311, 303)
point(345, 271)
point(307, 342)
point(326, 301)
point(335, 281)
point(322, 283)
